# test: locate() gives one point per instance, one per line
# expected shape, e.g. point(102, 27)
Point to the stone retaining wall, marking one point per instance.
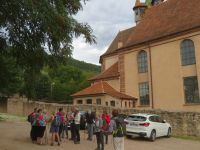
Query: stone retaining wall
point(183, 123)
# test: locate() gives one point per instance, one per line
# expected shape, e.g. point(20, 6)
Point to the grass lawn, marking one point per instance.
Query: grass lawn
point(8, 117)
point(193, 138)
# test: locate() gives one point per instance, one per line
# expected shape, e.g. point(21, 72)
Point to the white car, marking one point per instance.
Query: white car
point(147, 125)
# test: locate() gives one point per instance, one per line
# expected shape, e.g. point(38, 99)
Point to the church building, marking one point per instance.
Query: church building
point(153, 65)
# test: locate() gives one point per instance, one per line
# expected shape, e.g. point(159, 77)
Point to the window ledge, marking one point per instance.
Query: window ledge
point(143, 106)
point(192, 104)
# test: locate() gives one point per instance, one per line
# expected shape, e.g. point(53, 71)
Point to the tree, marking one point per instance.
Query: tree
point(10, 76)
point(40, 32)
point(43, 87)
point(30, 26)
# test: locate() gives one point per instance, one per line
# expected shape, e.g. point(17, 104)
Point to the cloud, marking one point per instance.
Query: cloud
point(107, 18)
point(87, 53)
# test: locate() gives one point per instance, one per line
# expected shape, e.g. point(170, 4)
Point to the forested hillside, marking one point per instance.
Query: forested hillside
point(52, 84)
point(83, 65)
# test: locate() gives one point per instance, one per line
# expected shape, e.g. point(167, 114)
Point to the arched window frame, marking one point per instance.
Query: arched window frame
point(142, 61)
point(187, 52)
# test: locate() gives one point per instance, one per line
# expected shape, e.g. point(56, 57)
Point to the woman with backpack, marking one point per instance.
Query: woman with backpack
point(106, 124)
point(116, 125)
point(54, 129)
point(39, 125)
point(31, 118)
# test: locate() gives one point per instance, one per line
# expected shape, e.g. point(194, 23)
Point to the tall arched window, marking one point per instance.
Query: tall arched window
point(188, 52)
point(142, 62)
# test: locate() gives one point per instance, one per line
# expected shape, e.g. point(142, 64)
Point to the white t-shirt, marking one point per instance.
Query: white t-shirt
point(77, 118)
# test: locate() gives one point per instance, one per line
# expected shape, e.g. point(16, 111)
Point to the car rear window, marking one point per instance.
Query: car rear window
point(136, 118)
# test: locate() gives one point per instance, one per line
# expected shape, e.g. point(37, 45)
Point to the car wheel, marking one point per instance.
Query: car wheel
point(128, 136)
point(153, 135)
point(169, 133)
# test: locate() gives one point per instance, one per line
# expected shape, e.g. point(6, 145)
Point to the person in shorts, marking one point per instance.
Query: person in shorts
point(54, 130)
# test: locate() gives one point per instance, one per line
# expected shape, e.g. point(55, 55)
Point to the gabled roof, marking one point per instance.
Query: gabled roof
point(167, 19)
point(122, 36)
point(102, 88)
point(110, 73)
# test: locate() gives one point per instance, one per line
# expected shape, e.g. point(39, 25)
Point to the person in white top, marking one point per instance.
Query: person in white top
point(77, 118)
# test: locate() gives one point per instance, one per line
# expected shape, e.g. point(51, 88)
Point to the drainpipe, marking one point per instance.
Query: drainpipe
point(150, 66)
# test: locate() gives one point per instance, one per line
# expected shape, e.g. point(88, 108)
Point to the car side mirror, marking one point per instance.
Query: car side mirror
point(164, 121)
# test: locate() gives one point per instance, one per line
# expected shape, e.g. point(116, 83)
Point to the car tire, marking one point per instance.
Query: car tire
point(169, 133)
point(128, 136)
point(153, 136)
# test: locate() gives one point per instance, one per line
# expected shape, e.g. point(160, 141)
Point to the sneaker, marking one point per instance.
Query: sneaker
point(77, 142)
point(58, 144)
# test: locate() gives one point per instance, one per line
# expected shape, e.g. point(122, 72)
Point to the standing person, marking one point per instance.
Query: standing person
point(65, 127)
point(60, 113)
point(98, 132)
point(31, 117)
point(90, 117)
point(116, 126)
point(77, 118)
point(54, 129)
point(106, 124)
point(46, 119)
point(41, 126)
point(72, 123)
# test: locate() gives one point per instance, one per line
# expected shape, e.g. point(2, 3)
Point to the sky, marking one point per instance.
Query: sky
point(107, 18)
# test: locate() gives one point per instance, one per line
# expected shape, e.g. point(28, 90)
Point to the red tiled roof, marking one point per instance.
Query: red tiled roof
point(102, 88)
point(122, 36)
point(164, 20)
point(110, 73)
point(167, 18)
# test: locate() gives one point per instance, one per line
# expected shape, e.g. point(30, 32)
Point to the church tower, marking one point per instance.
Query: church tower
point(139, 10)
point(156, 2)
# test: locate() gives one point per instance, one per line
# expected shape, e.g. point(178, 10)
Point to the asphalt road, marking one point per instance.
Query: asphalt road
point(15, 136)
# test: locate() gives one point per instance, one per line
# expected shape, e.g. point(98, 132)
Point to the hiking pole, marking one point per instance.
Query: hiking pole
point(84, 134)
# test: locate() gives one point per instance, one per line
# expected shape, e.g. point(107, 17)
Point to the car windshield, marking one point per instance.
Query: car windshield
point(136, 118)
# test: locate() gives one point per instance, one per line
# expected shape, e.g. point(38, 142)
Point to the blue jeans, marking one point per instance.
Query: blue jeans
point(90, 130)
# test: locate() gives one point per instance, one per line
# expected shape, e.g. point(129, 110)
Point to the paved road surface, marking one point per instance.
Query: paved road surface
point(15, 136)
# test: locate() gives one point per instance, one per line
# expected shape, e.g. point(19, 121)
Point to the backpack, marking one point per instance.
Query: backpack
point(56, 121)
point(40, 121)
point(106, 125)
point(29, 119)
point(120, 130)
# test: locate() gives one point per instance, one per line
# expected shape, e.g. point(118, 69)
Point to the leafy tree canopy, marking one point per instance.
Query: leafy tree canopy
point(10, 76)
point(35, 28)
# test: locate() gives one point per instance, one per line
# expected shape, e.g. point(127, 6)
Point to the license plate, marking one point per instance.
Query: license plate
point(133, 124)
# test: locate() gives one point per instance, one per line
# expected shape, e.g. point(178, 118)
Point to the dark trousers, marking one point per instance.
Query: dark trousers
point(77, 133)
point(65, 131)
point(100, 140)
point(72, 128)
point(33, 133)
point(106, 136)
point(60, 129)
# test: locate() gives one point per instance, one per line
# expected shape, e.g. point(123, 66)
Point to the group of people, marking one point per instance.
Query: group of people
point(101, 125)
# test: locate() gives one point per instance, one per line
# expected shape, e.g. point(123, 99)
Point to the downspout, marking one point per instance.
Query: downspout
point(150, 66)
